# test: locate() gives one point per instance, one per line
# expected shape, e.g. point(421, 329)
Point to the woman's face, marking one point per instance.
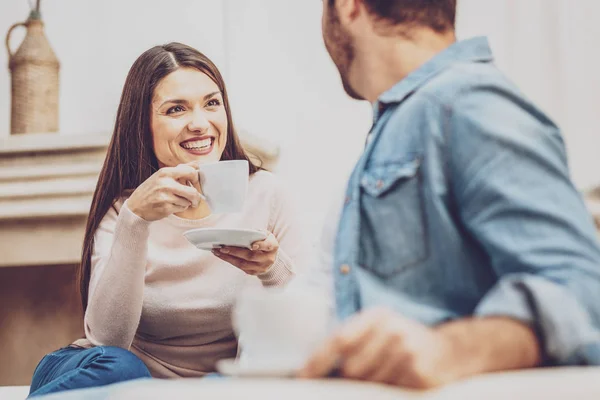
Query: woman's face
point(189, 121)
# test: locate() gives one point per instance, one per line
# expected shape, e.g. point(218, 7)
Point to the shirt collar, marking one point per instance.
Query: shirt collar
point(471, 50)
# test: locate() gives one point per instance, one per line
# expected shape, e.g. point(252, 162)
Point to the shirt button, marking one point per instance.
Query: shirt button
point(347, 200)
point(345, 269)
point(379, 184)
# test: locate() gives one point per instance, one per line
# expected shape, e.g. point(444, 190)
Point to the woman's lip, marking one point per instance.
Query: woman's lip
point(202, 152)
point(195, 139)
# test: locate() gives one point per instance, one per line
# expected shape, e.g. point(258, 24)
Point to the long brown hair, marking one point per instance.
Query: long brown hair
point(130, 159)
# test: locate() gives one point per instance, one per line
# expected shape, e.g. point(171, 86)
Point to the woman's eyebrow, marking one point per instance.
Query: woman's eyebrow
point(208, 96)
point(179, 101)
point(174, 101)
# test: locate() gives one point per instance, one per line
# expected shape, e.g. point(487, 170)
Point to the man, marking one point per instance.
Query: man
point(462, 245)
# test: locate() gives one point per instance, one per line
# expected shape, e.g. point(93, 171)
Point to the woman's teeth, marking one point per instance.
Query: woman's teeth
point(197, 144)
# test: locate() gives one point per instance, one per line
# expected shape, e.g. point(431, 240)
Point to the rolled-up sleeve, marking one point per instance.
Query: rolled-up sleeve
point(512, 188)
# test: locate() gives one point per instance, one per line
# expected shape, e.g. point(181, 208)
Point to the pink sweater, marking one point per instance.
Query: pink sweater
point(153, 292)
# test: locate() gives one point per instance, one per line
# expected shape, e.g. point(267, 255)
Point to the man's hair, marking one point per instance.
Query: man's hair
point(438, 15)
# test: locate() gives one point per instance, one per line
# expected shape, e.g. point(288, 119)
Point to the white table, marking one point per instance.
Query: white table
point(547, 384)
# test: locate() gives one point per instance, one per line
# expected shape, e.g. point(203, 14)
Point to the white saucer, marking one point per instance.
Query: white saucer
point(209, 238)
point(231, 367)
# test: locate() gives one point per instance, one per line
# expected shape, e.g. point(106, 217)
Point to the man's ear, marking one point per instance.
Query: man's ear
point(348, 10)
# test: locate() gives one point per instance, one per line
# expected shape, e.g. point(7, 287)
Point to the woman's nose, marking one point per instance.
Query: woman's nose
point(199, 122)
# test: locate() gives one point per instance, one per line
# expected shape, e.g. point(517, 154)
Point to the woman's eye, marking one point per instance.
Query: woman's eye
point(175, 109)
point(214, 103)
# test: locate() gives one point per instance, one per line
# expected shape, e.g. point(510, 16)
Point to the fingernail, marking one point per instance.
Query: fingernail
point(226, 251)
point(255, 247)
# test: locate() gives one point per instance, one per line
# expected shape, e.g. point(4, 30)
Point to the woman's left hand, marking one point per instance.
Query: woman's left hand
point(253, 262)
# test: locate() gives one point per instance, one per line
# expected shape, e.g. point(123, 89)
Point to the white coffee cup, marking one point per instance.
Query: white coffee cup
point(280, 328)
point(224, 184)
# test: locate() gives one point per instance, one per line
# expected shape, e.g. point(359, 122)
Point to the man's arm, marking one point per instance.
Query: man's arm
point(511, 186)
point(381, 346)
point(491, 344)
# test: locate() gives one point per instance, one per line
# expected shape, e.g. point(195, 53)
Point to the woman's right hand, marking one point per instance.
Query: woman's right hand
point(166, 193)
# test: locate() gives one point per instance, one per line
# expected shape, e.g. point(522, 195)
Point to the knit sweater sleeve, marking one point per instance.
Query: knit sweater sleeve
point(116, 285)
point(288, 229)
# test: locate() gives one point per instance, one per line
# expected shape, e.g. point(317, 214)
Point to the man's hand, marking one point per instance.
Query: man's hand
point(381, 346)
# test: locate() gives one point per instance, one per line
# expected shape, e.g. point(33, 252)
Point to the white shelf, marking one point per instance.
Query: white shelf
point(46, 187)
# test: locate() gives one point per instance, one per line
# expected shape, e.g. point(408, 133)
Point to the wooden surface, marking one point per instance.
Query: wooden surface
point(40, 313)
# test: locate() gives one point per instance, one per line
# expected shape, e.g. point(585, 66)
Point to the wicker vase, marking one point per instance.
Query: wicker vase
point(34, 71)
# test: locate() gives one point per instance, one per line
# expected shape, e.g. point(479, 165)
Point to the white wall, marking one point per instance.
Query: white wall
point(96, 43)
point(284, 87)
point(550, 49)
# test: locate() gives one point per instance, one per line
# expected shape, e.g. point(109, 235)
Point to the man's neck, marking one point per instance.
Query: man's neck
point(382, 62)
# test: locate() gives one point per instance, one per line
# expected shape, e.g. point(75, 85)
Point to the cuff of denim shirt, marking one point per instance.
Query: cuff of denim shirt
point(564, 329)
point(280, 273)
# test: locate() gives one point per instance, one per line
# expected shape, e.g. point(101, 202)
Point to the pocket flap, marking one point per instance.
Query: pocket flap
point(378, 179)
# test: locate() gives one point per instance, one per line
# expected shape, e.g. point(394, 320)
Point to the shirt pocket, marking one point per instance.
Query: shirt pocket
point(392, 220)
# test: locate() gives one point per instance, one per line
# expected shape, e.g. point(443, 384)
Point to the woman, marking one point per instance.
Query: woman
point(154, 304)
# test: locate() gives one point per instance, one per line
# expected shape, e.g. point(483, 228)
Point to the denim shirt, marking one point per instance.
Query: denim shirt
point(462, 205)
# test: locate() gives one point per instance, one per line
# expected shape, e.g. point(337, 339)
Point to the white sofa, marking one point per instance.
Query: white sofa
point(13, 392)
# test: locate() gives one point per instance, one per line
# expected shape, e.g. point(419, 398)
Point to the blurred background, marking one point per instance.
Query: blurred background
point(284, 89)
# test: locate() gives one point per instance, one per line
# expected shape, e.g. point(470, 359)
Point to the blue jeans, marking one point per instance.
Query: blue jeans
point(77, 368)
